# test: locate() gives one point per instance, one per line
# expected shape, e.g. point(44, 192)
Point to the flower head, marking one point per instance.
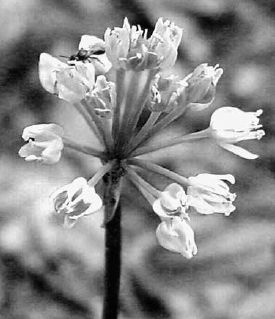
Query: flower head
point(177, 236)
point(171, 202)
point(75, 200)
point(230, 125)
point(201, 85)
point(209, 194)
point(129, 48)
point(68, 82)
point(44, 143)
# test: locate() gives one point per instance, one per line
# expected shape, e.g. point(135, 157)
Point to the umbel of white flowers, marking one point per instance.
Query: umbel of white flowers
point(113, 108)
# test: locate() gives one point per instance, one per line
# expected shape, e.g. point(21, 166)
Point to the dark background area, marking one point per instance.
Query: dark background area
point(52, 273)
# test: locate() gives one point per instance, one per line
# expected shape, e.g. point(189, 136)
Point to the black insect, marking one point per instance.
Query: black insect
point(86, 55)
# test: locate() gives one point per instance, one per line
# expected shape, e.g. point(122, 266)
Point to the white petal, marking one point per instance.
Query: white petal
point(90, 42)
point(48, 66)
point(239, 151)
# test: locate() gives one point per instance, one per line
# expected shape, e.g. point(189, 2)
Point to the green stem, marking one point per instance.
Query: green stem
point(83, 148)
point(175, 141)
point(159, 170)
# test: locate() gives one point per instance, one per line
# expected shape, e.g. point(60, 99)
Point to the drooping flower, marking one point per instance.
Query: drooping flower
point(44, 143)
point(92, 50)
point(75, 200)
point(102, 98)
point(129, 48)
point(177, 236)
point(201, 85)
point(68, 82)
point(229, 125)
point(208, 194)
point(171, 202)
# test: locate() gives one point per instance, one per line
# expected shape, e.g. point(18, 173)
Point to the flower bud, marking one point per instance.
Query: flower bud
point(44, 143)
point(172, 202)
point(75, 200)
point(177, 236)
point(209, 194)
point(202, 85)
point(229, 125)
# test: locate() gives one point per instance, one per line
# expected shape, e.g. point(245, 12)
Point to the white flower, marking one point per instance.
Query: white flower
point(172, 202)
point(209, 194)
point(164, 42)
point(129, 48)
point(229, 125)
point(44, 143)
point(68, 82)
point(92, 50)
point(177, 236)
point(117, 43)
point(75, 200)
point(201, 85)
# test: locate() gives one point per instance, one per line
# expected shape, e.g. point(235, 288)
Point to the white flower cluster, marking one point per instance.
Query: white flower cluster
point(113, 83)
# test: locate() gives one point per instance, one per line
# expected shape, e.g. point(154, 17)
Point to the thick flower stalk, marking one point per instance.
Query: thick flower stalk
point(114, 107)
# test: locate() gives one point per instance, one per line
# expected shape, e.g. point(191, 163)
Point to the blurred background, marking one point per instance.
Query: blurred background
point(52, 273)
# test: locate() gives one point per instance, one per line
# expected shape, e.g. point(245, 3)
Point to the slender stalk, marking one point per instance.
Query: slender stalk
point(112, 266)
point(132, 85)
point(163, 123)
point(112, 244)
point(120, 78)
point(148, 196)
point(101, 127)
point(141, 182)
point(164, 144)
point(140, 103)
point(100, 173)
point(135, 141)
point(83, 148)
point(159, 170)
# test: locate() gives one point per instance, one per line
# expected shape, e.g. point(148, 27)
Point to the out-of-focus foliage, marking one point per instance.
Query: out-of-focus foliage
point(48, 272)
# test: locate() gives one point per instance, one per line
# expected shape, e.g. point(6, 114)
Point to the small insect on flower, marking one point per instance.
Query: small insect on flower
point(91, 50)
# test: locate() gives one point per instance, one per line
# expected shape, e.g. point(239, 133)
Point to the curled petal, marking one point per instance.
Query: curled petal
point(229, 125)
point(172, 202)
point(76, 200)
point(209, 194)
